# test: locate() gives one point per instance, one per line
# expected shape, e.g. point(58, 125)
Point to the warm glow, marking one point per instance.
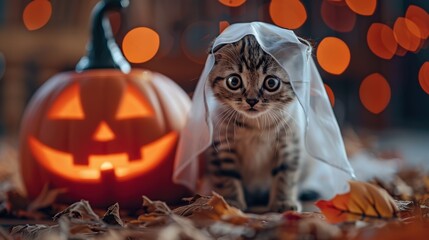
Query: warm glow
point(330, 94)
point(289, 14)
point(374, 93)
point(132, 106)
point(333, 55)
point(61, 163)
point(106, 166)
point(338, 17)
point(407, 34)
point(140, 44)
point(381, 40)
point(223, 25)
point(424, 77)
point(103, 133)
point(420, 17)
point(232, 3)
point(37, 14)
point(68, 105)
point(362, 7)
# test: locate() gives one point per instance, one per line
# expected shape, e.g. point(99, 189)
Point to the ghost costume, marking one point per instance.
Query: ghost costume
point(322, 138)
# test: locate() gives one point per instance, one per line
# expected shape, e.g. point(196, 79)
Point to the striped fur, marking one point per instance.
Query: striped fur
point(256, 152)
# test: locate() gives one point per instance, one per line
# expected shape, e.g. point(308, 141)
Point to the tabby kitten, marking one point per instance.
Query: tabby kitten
point(256, 153)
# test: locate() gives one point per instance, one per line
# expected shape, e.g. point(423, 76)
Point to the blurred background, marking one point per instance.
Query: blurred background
point(373, 55)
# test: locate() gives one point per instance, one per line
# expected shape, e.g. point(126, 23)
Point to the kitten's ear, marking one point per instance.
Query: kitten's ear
point(212, 50)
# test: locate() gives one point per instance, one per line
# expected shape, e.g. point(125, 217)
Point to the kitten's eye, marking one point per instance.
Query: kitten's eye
point(233, 82)
point(271, 84)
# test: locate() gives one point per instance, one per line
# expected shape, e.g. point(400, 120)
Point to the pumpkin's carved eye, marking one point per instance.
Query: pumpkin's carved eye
point(68, 105)
point(132, 106)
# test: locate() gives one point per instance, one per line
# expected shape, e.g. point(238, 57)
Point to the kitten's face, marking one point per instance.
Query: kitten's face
point(248, 80)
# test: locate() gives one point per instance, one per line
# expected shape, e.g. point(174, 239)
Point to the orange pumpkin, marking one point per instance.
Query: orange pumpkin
point(105, 135)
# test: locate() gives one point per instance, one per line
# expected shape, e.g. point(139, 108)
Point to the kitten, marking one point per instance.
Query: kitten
point(255, 158)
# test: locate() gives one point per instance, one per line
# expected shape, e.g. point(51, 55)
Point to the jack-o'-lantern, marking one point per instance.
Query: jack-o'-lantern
point(107, 135)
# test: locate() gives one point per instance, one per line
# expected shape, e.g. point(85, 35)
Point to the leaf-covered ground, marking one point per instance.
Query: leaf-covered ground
point(377, 209)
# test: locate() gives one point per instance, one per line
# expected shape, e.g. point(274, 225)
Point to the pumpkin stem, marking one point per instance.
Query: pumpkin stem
point(102, 50)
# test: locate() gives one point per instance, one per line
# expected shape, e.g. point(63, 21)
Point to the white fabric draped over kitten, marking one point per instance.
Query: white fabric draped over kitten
point(323, 140)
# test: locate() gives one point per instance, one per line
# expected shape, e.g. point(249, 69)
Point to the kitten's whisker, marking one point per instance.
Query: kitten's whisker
point(224, 115)
point(227, 128)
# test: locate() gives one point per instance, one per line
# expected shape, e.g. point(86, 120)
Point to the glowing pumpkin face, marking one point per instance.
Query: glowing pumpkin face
point(103, 130)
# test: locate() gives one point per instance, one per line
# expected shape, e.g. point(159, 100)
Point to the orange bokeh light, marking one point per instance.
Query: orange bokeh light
point(362, 7)
point(375, 93)
point(381, 40)
point(407, 34)
point(421, 18)
point(330, 94)
point(289, 14)
point(37, 14)
point(333, 55)
point(338, 17)
point(140, 44)
point(424, 77)
point(223, 25)
point(232, 3)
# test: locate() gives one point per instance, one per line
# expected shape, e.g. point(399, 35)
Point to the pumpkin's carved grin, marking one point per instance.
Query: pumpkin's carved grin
point(124, 168)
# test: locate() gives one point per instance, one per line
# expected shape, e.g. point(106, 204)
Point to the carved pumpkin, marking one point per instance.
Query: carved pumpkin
point(105, 135)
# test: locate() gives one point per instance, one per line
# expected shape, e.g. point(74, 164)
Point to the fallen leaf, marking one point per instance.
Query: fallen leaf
point(31, 232)
point(217, 208)
point(194, 204)
point(112, 216)
point(155, 213)
point(78, 210)
point(364, 202)
point(155, 207)
point(396, 187)
point(181, 228)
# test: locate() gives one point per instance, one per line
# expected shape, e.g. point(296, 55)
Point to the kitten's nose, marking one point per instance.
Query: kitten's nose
point(252, 101)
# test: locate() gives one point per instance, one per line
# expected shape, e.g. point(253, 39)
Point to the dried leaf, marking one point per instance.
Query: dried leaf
point(78, 210)
point(112, 216)
point(155, 207)
point(395, 187)
point(218, 209)
point(181, 228)
point(46, 198)
point(154, 213)
point(32, 232)
point(195, 203)
point(364, 201)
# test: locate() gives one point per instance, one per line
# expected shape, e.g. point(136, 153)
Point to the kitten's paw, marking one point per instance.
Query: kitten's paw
point(286, 205)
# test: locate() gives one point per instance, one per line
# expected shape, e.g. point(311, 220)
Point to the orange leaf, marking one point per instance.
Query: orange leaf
point(217, 209)
point(364, 201)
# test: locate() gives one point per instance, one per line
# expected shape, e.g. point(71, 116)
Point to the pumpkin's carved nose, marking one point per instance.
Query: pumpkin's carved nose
point(103, 133)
